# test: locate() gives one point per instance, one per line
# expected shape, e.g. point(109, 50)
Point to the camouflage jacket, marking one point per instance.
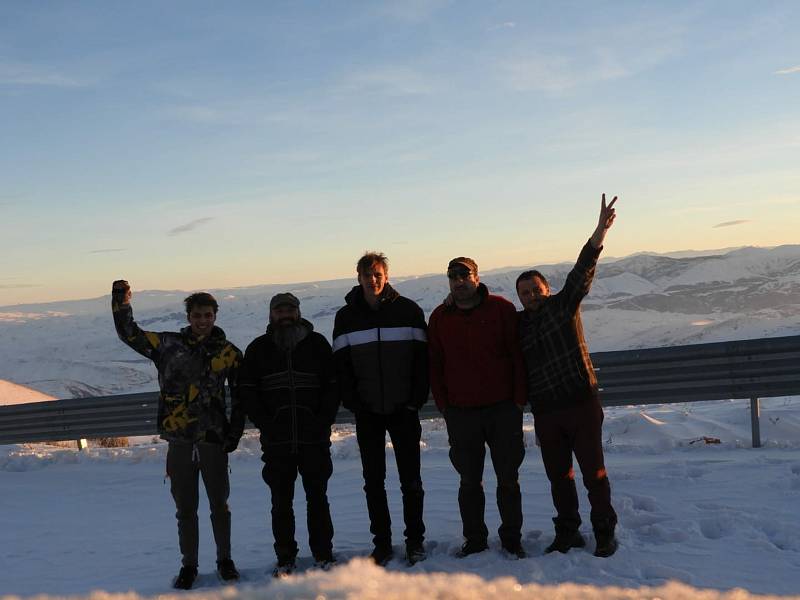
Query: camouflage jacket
point(191, 376)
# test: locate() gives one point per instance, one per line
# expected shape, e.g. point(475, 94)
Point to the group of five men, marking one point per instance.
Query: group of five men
point(483, 362)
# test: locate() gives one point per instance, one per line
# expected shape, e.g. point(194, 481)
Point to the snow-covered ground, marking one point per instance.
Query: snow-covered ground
point(697, 519)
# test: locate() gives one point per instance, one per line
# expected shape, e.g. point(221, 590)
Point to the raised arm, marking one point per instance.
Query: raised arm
point(607, 215)
point(145, 343)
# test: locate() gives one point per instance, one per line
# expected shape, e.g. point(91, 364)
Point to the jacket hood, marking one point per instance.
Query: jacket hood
point(355, 297)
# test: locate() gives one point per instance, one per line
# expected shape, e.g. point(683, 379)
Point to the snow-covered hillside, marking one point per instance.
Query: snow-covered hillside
point(68, 349)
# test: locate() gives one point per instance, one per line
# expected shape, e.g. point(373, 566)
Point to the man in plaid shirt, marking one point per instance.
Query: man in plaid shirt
point(562, 391)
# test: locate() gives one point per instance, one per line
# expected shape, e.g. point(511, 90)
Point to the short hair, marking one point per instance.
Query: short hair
point(532, 274)
point(370, 259)
point(200, 299)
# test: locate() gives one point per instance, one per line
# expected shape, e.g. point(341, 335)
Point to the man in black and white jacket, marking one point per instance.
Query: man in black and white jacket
point(381, 357)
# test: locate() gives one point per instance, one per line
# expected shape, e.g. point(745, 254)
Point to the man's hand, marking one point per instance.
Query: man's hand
point(607, 215)
point(121, 291)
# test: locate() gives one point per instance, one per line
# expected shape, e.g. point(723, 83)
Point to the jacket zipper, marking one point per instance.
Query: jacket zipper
point(293, 394)
point(380, 369)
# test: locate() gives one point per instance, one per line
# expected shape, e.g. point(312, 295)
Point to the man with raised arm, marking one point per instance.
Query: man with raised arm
point(193, 366)
point(478, 382)
point(381, 356)
point(563, 394)
point(287, 385)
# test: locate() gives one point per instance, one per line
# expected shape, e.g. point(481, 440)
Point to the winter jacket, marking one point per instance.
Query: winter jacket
point(560, 371)
point(290, 395)
point(191, 376)
point(474, 354)
point(381, 356)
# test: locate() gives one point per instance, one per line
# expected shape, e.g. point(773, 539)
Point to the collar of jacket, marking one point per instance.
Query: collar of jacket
point(355, 297)
point(213, 339)
point(483, 293)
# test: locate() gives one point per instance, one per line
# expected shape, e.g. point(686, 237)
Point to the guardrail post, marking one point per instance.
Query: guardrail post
point(755, 413)
point(82, 444)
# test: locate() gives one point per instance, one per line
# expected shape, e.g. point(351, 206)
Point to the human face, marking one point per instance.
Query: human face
point(201, 320)
point(284, 314)
point(373, 280)
point(463, 284)
point(532, 293)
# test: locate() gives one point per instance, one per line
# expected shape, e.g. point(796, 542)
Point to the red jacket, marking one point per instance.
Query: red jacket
point(475, 358)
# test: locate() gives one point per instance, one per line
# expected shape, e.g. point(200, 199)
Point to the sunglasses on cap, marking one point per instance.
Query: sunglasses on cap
point(459, 273)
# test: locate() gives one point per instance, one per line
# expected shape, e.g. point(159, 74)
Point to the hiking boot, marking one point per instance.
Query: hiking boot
point(565, 540)
point(324, 562)
point(415, 552)
point(515, 549)
point(472, 547)
point(227, 570)
point(382, 554)
point(185, 578)
point(605, 542)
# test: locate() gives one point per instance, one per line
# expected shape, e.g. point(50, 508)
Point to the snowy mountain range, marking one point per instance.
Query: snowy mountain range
point(70, 349)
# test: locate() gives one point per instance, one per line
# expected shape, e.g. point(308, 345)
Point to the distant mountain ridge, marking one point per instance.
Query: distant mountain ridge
point(70, 348)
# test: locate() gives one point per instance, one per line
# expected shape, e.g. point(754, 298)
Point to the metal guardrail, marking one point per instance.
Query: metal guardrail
point(747, 369)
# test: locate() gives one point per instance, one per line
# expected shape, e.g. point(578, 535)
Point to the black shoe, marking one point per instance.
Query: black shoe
point(515, 549)
point(472, 547)
point(185, 578)
point(605, 542)
point(324, 562)
point(227, 570)
point(565, 540)
point(284, 568)
point(415, 552)
point(382, 554)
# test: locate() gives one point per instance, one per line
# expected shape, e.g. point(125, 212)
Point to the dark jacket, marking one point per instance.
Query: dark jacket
point(475, 355)
point(290, 395)
point(381, 355)
point(191, 376)
point(560, 371)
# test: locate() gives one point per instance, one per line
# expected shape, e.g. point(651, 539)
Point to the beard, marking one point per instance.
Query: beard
point(288, 333)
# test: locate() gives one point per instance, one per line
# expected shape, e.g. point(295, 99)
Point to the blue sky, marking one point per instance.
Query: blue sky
point(196, 145)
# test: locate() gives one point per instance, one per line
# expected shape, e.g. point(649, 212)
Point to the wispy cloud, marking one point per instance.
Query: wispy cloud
point(506, 25)
point(732, 223)
point(190, 226)
point(389, 81)
point(32, 75)
point(789, 71)
point(106, 250)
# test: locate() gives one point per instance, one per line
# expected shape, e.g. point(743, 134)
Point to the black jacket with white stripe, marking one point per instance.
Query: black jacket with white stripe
point(291, 396)
point(381, 356)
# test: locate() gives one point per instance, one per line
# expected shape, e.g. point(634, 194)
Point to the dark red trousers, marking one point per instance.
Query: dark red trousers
point(575, 430)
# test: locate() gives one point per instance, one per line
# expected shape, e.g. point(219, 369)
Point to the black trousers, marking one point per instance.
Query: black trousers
point(405, 432)
point(469, 431)
point(576, 429)
point(313, 463)
point(184, 463)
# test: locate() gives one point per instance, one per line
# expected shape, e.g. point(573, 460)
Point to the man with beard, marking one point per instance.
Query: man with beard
point(193, 365)
point(562, 389)
point(381, 356)
point(288, 386)
point(478, 382)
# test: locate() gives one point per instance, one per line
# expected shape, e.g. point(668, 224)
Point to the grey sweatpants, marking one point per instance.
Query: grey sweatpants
point(183, 466)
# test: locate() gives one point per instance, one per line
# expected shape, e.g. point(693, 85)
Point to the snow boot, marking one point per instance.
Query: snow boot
point(415, 552)
point(382, 554)
point(285, 567)
point(515, 550)
point(227, 570)
point(567, 535)
point(185, 578)
point(605, 541)
point(324, 562)
point(472, 547)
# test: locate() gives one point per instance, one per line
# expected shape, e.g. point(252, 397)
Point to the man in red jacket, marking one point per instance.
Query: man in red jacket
point(478, 382)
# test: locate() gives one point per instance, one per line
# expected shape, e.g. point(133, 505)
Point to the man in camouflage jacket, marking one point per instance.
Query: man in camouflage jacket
point(193, 366)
